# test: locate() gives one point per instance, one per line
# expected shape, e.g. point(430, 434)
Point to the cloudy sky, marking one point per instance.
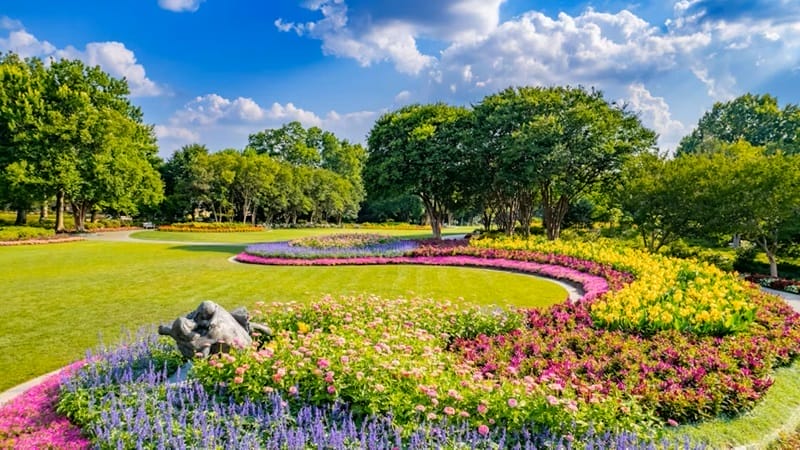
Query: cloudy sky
point(214, 71)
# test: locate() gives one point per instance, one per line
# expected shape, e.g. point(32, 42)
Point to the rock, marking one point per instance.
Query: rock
point(211, 329)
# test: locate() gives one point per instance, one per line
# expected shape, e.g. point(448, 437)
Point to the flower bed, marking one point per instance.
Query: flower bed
point(330, 248)
point(30, 422)
point(779, 284)
point(414, 373)
point(343, 241)
point(210, 227)
point(668, 293)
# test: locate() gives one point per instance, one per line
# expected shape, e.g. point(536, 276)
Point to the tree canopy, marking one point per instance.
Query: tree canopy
point(756, 119)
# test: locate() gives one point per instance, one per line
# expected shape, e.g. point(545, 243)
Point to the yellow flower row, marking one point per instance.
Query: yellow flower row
point(668, 293)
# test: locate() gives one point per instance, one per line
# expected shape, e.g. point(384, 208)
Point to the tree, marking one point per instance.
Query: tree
point(184, 184)
point(562, 141)
point(79, 136)
point(412, 151)
point(751, 191)
point(21, 107)
point(255, 177)
point(290, 143)
point(661, 197)
point(756, 119)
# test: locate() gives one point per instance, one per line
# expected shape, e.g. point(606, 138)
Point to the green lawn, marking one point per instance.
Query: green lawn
point(280, 234)
point(58, 300)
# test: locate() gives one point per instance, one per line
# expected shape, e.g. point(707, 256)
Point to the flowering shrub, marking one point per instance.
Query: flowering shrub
point(668, 293)
point(212, 227)
point(388, 226)
point(677, 376)
point(121, 400)
point(343, 241)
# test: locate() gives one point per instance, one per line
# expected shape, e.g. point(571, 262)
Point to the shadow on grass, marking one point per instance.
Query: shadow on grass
point(232, 249)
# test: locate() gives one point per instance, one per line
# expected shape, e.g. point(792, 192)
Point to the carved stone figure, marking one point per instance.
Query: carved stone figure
point(211, 329)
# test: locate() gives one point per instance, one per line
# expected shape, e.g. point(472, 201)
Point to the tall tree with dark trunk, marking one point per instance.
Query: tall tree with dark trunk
point(412, 151)
point(560, 141)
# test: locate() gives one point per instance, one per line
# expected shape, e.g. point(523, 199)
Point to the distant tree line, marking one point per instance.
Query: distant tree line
point(282, 175)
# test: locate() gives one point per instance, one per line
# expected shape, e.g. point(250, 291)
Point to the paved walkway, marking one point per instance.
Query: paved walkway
point(125, 236)
point(792, 299)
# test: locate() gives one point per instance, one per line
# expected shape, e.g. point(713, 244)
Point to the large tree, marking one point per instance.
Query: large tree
point(757, 119)
point(560, 141)
point(411, 151)
point(750, 191)
point(80, 138)
point(661, 197)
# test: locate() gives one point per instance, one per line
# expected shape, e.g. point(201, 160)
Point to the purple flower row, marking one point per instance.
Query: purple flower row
point(287, 250)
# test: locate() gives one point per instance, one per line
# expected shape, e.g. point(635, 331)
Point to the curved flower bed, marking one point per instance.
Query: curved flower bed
point(414, 373)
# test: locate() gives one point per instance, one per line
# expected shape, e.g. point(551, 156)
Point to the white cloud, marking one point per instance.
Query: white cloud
point(402, 97)
point(591, 48)
point(180, 5)
point(7, 23)
point(221, 122)
point(655, 113)
point(358, 30)
point(25, 44)
point(112, 57)
point(118, 61)
point(178, 134)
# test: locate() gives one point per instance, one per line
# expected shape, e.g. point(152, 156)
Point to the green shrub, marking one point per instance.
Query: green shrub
point(24, 233)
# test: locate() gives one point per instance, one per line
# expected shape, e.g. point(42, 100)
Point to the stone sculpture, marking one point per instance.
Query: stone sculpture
point(211, 329)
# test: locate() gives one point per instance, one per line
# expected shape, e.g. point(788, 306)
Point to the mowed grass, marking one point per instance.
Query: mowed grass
point(59, 300)
point(282, 234)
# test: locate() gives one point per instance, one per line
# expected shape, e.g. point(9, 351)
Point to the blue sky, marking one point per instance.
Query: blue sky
point(214, 71)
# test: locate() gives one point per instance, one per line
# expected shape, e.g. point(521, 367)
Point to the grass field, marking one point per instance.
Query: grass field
point(59, 300)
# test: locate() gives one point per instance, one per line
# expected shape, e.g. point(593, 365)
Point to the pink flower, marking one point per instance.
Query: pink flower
point(449, 410)
point(420, 408)
point(323, 363)
point(512, 403)
point(483, 430)
point(379, 388)
point(240, 370)
point(482, 409)
point(293, 390)
point(331, 389)
point(672, 423)
point(238, 380)
point(552, 400)
point(329, 376)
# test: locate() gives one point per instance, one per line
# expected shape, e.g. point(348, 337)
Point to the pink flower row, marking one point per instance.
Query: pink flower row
point(593, 285)
point(30, 421)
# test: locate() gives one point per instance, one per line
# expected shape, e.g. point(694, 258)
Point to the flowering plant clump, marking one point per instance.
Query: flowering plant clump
point(676, 376)
point(121, 400)
point(668, 293)
point(345, 240)
point(30, 421)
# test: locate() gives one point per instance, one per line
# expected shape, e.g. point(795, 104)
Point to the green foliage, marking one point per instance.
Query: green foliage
point(415, 151)
point(70, 131)
point(557, 142)
point(756, 119)
point(24, 233)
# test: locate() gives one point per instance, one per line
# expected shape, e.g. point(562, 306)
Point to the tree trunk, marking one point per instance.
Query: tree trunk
point(432, 212)
point(79, 216)
point(773, 265)
point(43, 212)
point(22, 217)
point(94, 216)
point(554, 212)
point(60, 212)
